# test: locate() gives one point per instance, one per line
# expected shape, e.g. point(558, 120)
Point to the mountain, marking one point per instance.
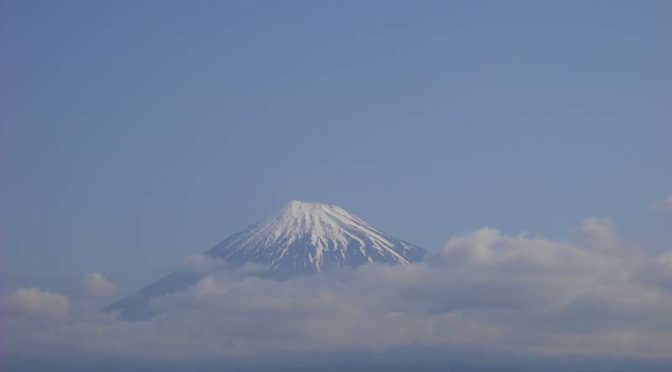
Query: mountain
point(306, 238)
point(301, 239)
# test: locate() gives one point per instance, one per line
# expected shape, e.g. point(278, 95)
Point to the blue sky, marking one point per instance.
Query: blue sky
point(136, 133)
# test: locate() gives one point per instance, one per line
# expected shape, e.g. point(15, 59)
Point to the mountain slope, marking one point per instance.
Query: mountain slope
point(301, 239)
point(306, 238)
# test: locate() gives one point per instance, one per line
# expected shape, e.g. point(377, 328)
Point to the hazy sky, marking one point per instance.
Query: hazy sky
point(136, 133)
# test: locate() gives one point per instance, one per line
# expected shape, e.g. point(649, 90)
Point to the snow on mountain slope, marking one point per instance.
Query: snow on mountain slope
point(301, 239)
point(311, 237)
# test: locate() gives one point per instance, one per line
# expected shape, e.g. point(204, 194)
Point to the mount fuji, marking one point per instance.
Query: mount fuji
point(301, 239)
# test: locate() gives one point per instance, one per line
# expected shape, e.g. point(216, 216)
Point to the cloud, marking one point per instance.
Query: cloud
point(96, 285)
point(203, 264)
point(34, 302)
point(599, 233)
point(664, 205)
point(200, 264)
point(508, 294)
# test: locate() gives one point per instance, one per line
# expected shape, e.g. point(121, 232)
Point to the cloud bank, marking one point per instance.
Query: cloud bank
point(596, 296)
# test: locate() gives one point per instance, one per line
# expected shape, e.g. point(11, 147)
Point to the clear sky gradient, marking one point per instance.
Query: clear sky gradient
point(136, 133)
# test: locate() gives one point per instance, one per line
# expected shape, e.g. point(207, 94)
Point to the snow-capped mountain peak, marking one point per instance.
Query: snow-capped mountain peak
point(302, 238)
point(310, 237)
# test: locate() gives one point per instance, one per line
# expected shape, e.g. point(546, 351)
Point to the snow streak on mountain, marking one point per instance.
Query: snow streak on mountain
point(307, 238)
point(301, 239)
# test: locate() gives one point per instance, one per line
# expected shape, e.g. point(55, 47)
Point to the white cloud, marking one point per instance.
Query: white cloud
point(96, 285)
point(34, 302)
point(664, 205)
point(664, 262)
point(600, 234)
point(487, 290)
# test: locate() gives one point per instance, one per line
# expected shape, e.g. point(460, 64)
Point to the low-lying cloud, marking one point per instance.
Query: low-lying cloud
point(593, 296)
